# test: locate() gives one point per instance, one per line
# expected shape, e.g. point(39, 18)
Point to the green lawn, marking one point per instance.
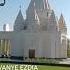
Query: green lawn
point(52, 68)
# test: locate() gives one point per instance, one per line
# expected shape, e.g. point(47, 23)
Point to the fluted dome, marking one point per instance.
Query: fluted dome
point(19, 22)
point(62, 22)
point(39, 4)
point(62, 25)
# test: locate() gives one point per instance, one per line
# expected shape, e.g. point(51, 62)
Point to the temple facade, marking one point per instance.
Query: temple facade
point(39, 35)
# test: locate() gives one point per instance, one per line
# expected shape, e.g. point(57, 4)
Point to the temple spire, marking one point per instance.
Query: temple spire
point(39, 4)
point(19, 22)
point(62, 24)
point(46, 4)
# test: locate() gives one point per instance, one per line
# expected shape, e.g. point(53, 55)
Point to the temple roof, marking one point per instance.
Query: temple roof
point(19, 22)
point(46, 4)
point(52, 17)
point(61, 22)
point(39, 4)
point(19, 16)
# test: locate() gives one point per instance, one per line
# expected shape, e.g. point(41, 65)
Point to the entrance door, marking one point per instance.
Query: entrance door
point(31, 53)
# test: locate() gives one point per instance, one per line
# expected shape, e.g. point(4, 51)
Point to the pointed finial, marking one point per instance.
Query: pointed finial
point(61, 15)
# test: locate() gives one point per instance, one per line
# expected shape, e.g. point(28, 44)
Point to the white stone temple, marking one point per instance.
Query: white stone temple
point(39, 35)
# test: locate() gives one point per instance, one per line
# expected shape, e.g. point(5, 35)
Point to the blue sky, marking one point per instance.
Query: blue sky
point(9, 12)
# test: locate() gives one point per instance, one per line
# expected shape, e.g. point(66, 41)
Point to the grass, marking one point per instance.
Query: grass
point(52, 68)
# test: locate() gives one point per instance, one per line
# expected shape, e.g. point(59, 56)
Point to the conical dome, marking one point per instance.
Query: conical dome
point(46, 4)
point(52, 22)
point(52, 18)
point(19, 22)
point(39, 4)
point(62, 25)
point(61, 22)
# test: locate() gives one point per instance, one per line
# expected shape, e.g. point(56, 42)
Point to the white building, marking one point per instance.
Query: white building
point(39, 35)
point(6, 27)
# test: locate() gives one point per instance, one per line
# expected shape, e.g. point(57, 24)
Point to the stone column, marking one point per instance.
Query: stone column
point(8, 48)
